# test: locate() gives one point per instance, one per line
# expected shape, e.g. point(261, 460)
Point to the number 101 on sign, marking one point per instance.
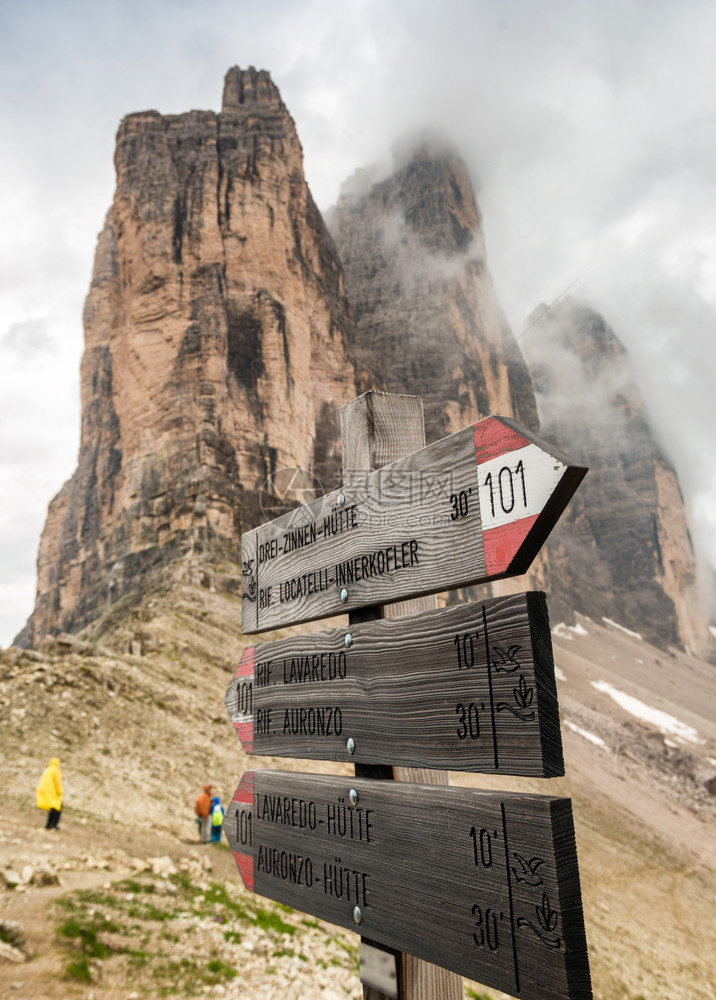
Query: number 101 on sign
point(516, 486)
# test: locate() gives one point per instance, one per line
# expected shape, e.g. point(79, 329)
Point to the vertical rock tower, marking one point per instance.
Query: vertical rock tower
point(215, 351)
point(623, 549)
point(427, 319)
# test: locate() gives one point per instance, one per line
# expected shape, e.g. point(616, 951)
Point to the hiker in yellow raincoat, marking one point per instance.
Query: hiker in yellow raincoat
point(49, 793)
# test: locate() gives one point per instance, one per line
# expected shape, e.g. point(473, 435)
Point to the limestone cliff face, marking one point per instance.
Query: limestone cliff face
point(215, 351)
point(623, 549)
point(427, 319)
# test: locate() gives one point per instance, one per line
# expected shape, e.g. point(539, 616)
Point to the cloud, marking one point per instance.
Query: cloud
point(25, 340)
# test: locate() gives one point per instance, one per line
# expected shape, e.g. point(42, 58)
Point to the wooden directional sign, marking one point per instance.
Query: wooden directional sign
point(469, 688)
point(475, 506)
point(483, 883)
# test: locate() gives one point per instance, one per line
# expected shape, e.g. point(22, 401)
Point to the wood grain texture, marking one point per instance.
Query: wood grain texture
point(429, 521)
point(468, 687)
point(378, 429)
point(483, 883)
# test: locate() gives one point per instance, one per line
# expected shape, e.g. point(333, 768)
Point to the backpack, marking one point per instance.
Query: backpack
point(217, 815)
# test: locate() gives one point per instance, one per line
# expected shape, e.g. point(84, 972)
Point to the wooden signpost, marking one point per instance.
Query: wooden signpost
point(468, 688)
point(484, 884)
point(378, 429)
point(474, 507)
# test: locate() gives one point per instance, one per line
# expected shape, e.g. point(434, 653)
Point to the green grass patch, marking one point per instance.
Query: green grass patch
point(129, 927)
point(218, 970)
point(130, 885)
point(351, 949)
point(187, 974)
point(138, 910)
point(79, 933)
point(267, 920)
point(86, 937)
point(139, 958)
point(92, 897)
point(217, 895)
point(79, 970)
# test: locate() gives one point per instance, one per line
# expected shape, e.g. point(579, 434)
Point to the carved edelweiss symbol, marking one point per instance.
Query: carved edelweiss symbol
point(528, 869)
point(249, 581)
point(524, 696)
point(548, 919)
point(508, 662)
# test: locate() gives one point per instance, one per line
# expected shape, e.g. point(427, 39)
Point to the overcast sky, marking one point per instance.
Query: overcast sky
point(589, 129)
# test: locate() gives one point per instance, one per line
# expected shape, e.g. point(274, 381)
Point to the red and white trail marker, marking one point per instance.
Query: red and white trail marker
point(503, 456)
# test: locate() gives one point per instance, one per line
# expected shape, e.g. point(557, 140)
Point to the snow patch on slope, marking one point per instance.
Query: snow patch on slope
point(563, 631)
point(622, 628)
point(596, 740)
point(667, 724)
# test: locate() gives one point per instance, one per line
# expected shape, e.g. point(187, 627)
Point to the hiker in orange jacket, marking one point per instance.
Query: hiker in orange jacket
point(202, 808)
point(49, 793)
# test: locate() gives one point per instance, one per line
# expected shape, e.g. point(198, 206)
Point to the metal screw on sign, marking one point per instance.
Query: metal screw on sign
point(344, 595)
point(341, 499)
point(357, 915)
point(353, 797)
point(348, 640)
point(351, 746)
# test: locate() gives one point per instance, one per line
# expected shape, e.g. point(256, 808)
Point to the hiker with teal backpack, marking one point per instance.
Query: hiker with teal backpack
point(217, 818)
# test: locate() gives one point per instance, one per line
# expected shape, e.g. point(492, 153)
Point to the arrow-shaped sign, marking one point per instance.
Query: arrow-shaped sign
point(476, 506)
point(483, 883)
point(469, 687)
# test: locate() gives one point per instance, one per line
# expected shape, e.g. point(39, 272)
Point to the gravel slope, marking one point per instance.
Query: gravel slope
point(139, 735)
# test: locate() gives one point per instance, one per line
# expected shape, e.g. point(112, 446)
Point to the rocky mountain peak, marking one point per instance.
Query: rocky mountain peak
point(573, 330)
point(215, 356)
point(427, 318)
point(623, 549)
point(247, 89)
point(429, 189)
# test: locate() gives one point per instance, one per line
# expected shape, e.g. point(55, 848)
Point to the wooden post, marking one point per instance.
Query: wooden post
point(377, 429)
